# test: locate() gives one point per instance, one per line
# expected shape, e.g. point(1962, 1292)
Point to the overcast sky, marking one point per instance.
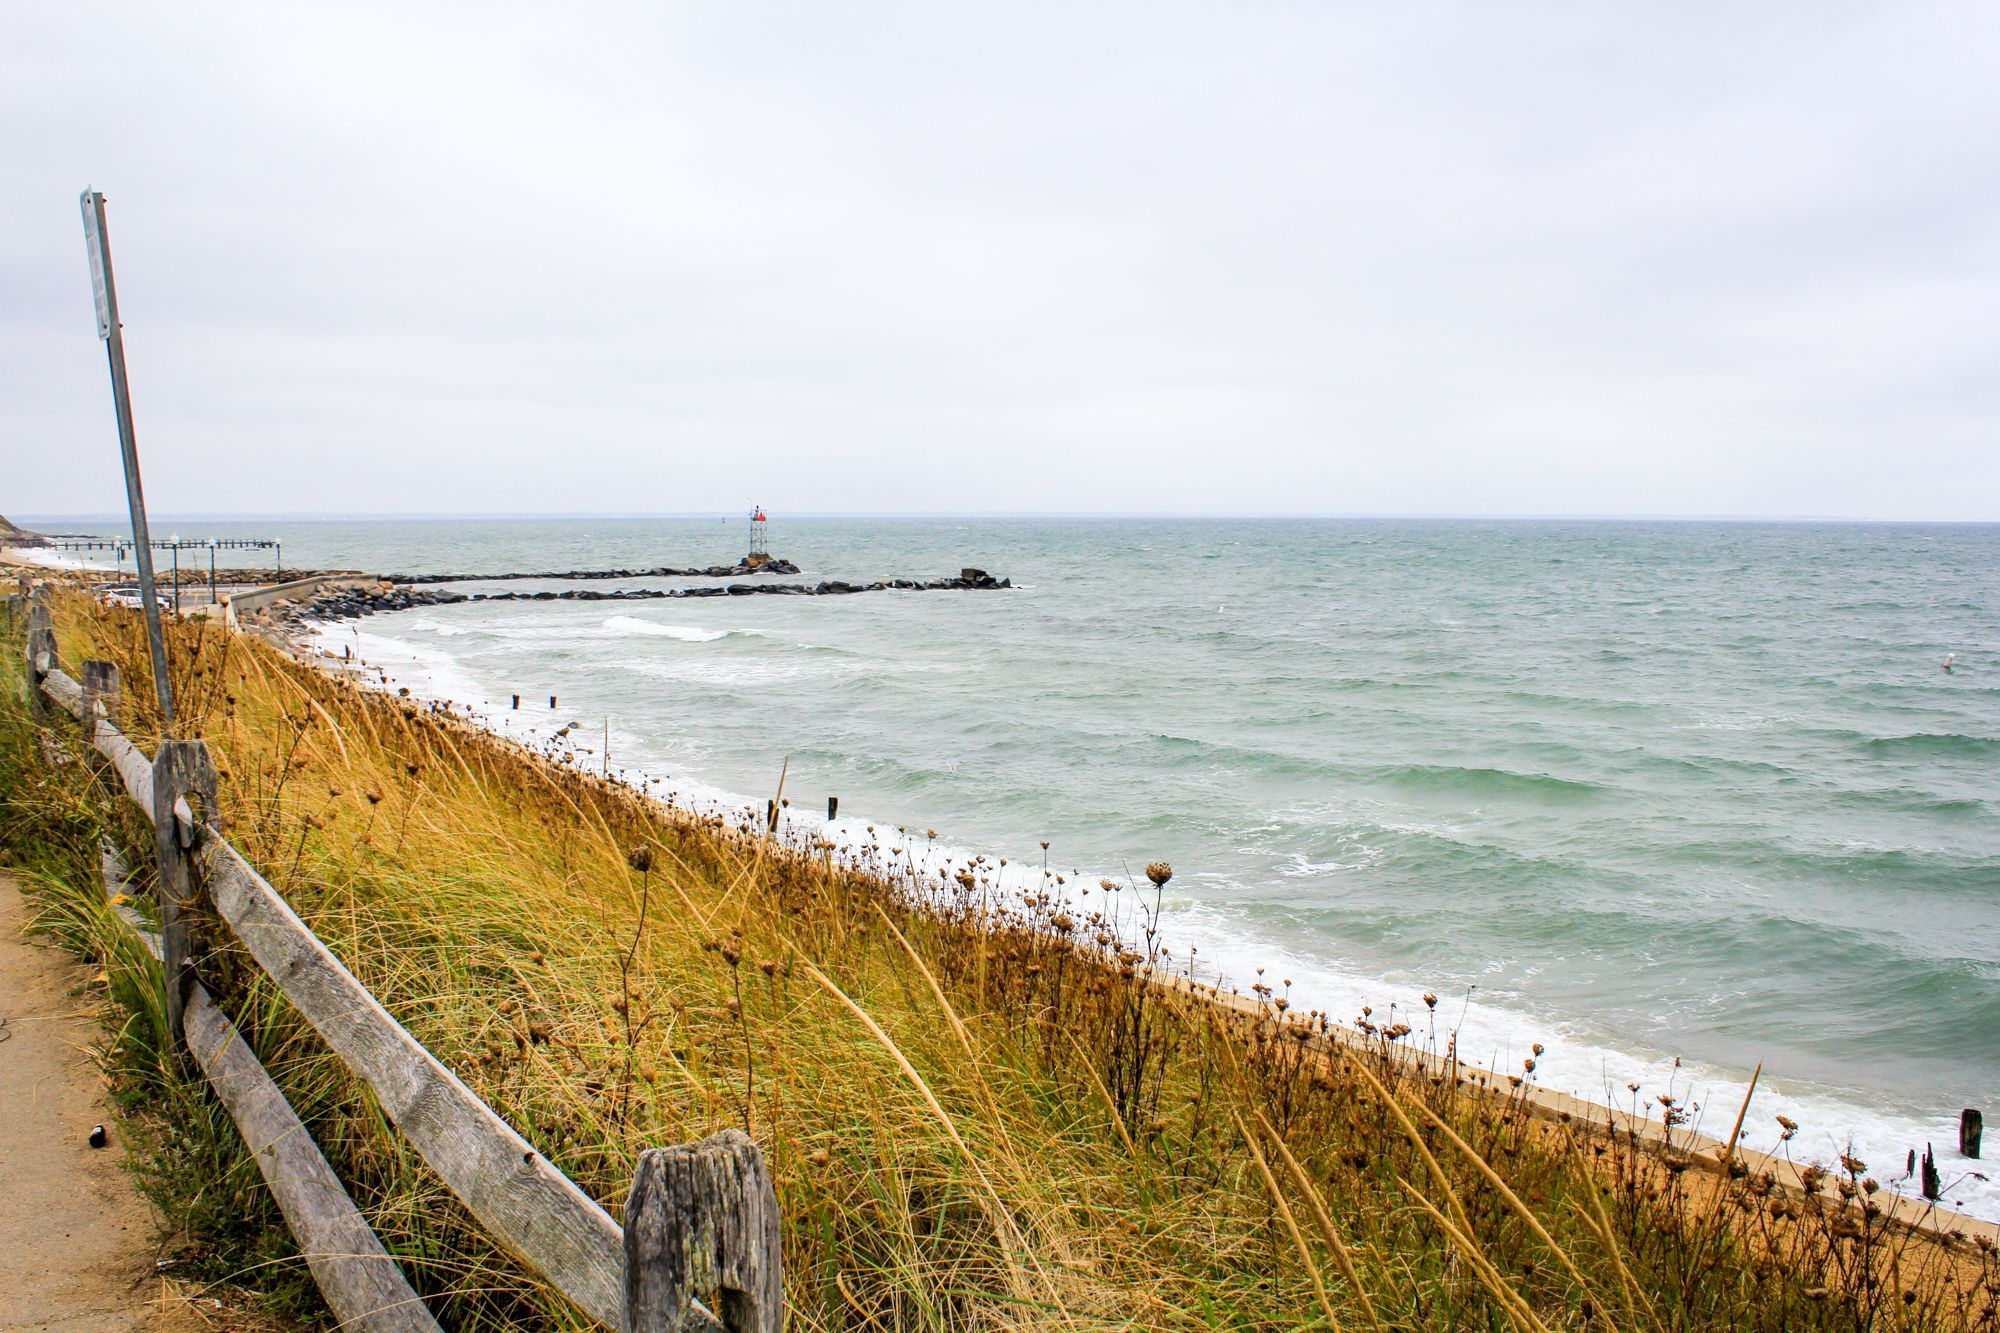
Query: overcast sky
point(1231, 258)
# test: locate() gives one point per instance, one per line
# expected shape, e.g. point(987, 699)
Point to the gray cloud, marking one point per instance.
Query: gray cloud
point(1224, 259)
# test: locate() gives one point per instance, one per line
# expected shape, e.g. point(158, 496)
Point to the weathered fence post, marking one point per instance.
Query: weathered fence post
point(703, 1217)
point(100, 694)
point(1971, 1125)
point(180, 769)
point(100, 703)
point(42, 657)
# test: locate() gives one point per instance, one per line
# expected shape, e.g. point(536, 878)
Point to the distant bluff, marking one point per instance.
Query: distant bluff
point(13, 536)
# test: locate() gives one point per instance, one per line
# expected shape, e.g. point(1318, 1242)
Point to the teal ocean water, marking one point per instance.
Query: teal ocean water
point(1636, 791)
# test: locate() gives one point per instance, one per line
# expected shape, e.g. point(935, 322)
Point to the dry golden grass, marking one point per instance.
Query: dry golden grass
point(977, 1117)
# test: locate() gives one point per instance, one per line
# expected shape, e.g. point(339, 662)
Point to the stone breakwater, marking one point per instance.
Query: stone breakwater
point(353, 601)
point(662, 572)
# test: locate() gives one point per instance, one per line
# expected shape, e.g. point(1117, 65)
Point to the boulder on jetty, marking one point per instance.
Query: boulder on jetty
point(352, 601)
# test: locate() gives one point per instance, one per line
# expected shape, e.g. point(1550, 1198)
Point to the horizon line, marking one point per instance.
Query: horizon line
point(335, 516)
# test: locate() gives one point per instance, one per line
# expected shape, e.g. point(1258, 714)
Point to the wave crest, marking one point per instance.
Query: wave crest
point(1933, 745)
point(685, 633)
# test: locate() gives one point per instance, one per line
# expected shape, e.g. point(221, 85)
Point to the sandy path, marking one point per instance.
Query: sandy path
point(76, 1242)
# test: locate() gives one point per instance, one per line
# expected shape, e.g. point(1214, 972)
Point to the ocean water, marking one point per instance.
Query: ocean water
point(1637, 791)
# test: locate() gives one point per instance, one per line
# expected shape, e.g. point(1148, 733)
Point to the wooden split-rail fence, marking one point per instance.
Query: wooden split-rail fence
point(701, 1217)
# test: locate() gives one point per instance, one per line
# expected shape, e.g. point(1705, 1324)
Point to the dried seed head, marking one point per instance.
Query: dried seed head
point(819, 1157)
point(640, 858)
point(734, 1006)
point(374, 795)
point(1430, 1000)
point(1159, 872)
point(768, 966)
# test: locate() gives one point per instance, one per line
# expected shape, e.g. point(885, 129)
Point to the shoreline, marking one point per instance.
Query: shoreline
point(1936, 1222)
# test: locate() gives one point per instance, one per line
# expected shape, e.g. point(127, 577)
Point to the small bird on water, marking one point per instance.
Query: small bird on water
point(97, 1137)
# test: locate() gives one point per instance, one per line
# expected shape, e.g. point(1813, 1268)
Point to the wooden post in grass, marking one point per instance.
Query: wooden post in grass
point(100, 694)
point(703, 1217)
point(180, 769)
point(100, 702)
point(41, 654)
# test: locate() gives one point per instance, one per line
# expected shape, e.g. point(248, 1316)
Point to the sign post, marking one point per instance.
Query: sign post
point(98, 242)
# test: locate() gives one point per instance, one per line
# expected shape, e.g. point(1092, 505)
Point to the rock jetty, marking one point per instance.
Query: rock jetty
point(353, 601)
point(737, 570)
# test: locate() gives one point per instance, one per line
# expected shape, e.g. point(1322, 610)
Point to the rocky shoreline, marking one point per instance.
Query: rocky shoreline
point(353, 601)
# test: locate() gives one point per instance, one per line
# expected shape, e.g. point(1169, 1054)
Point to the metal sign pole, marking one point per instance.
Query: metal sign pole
point(99, 243)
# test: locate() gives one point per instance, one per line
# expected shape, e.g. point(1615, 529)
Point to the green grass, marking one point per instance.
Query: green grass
point(976, 1119)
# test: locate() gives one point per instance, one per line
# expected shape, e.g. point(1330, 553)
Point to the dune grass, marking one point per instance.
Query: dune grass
point(978, 1115)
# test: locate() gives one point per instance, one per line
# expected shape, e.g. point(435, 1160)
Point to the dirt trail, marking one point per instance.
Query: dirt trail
point(76, 1242)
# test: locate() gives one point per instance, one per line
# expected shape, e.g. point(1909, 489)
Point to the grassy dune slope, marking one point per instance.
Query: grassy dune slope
point(970, 1128)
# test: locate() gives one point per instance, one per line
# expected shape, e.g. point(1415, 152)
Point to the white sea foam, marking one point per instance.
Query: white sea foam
point(42, 555)
point(686, 633)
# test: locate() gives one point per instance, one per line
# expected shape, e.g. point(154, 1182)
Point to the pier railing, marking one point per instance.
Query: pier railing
point(699, 1217)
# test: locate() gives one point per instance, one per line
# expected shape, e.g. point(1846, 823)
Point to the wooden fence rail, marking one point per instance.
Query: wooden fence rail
point(719, 1232)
